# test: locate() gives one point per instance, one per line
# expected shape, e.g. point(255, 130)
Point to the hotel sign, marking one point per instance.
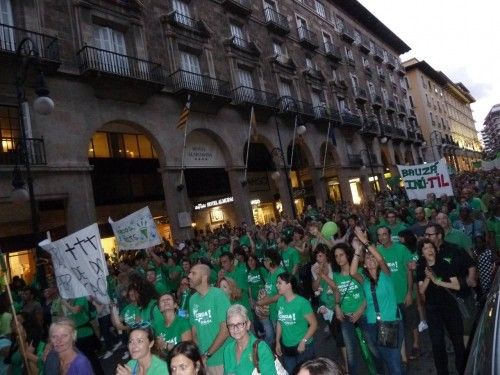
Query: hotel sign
point(217, 202)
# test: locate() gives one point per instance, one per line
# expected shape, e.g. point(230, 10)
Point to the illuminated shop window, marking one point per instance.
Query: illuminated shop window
point(119, 145)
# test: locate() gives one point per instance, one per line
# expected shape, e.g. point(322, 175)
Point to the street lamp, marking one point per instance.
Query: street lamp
point(28, 55)
point(370, 164)
point(287, 104)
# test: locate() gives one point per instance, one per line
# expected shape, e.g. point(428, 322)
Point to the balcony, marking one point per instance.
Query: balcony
point(276, 22)
point(370, 127)
point(190, 24)
point(391, 106)
point(391, 62)
point(307, 38)
point(323, 115)
point(411, 135)
point(388, 130)
point(360, 94)
point(332, 52)
point(314, 74)
point(306, 110)
point(402, 110)
point(378, 54)
point(241, 7)
point(215, 90)
point(354, 160)
point(351, 120)
point(347, 34)
point(381, 76)
point(401, 70)
point(48, 47)
point(368, 70)
point(398, 133)
point(412, 114)
point(12, 153)
point(350, 61)
point(376, 101)
point(243, 45)
point(283, 61)
point(263, 102)
point(364, 46)
point(111, 74)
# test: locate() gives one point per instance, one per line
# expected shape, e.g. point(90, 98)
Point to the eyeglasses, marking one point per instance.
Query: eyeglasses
point(430, 234)
point(142, 324)
point(237, 326)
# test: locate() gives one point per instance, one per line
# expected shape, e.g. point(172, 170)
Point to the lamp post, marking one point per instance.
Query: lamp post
point(28, 55)
point(370, 164)
point(287, 104)
point(435, 135)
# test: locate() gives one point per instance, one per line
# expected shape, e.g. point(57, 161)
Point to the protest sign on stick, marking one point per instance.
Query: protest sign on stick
point(422, 179)
point(79, 264)
point(136, 231)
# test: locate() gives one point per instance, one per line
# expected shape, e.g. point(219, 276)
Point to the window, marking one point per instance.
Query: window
point(349, 54)
point(340, 24)
point(6, 35)
point(327, 41)
point(386, 56)
point(246, 81)
point(309, 63)
point(432, 118)
point(302, 27)
point(335, 75)
point(237, 34)
point(191, 72)
point(320, 9)
point(427, 100)
point(112, 41)
point(411, 102)
point(396, 99)
point(357, 37)
point(316, 100)
point(118, 145)
point(278, 49)
point(355, 82)
point(9, 128)
point(366, 62)
point(407, 83)
point(371, 89)
point(284, 88)
point(181, 7)
point(384, 95)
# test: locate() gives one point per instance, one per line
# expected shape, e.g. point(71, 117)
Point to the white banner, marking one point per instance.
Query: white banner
point(136, 231)
point(423, 179)
point(79, 264)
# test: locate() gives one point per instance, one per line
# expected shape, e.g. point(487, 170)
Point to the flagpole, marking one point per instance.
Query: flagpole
point(184, 144)
point(326, 148)
point(22, 342)
point(252, 114)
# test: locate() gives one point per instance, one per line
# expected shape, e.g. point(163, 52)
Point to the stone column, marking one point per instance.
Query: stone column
point(177, 201)
point(240, 195)
point(345, 189)
point(80, 206)
point(286, 200)
point(319, 186)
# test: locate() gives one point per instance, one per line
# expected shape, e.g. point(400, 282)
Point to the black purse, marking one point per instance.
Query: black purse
point(387, 332)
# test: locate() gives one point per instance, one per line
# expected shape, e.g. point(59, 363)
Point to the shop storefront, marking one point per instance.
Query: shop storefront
point(213, 213)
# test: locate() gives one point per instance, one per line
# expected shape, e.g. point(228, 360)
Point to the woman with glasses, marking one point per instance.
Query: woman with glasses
point(436, 280)
point(185, 359)
point(296, 324)
point(143, 362)
point(173, 329)
point(239, 353)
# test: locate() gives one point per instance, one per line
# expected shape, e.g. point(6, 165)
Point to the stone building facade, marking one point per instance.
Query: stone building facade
point(120, 73)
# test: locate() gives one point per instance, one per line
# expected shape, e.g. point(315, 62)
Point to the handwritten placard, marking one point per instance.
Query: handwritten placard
point(136, 231)
point(423, 179)
point(79, 264)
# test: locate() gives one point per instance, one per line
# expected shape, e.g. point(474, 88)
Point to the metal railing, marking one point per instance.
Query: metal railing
point(370, 126)
point(388, 129)
point(377, 99)
point(183, 79)
point(10, 36)
point(365, 43)
point(305, 108)
point(378, 54)
point(332, 51)
point(348, 33)
point(243, 44)
point(186, 21)
point(91, 58)
point(308, 36)
point(360, 93)
point(391, 104)
point(399, 132)
point(321, 112)
point(245, 94)
point(12, 151)
point(351, 119)
point(277, 19)
point(246, 4)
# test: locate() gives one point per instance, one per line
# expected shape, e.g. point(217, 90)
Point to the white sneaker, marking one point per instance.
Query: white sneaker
point(108, 354)
point(422, 326)
point(116, 346)
point(126, 355)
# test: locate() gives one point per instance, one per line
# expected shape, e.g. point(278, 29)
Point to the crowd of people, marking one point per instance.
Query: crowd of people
point(248, 299)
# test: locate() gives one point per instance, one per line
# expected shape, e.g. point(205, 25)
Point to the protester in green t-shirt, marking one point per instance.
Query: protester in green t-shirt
point(207, 315)
point(159, 285)
point(173, 329)
point(238, 353)
point(296, 324)
point(235, 294)
point(289, 254)
point(230, 269)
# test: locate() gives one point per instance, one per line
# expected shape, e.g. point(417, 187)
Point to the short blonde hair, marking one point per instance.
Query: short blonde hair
point(237, 309)
point(66, 322)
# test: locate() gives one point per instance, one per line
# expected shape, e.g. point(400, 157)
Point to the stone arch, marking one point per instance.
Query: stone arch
point(385, 159)
point(398, 159)
point(332, 156)
point(229, 158)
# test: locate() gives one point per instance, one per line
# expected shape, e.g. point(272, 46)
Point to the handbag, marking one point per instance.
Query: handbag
point(387, 332)
point(280, 370)
point(467, 307)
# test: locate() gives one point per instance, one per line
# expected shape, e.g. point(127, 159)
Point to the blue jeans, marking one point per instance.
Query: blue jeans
point(352, 345)
point(292, 362)
point(270, 336)
point(391, 357)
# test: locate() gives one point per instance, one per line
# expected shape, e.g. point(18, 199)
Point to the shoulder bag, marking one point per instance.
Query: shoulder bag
point(387, 332)
point(280, 370)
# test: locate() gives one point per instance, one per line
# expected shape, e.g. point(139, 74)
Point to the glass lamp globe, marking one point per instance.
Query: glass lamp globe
point(43, 105)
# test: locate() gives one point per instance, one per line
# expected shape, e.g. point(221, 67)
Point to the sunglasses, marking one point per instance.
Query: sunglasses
point(141, 325)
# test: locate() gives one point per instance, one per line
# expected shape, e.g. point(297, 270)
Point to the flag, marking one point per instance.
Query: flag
point(253, 125)
point(183, 118)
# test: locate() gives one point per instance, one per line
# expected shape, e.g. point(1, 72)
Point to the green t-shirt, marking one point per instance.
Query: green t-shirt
point(291, 258)
point(291, 318)
point(157, 367)
point(493, 225)
point(244, 241)
point(172, 276)
point(271, 291)
point(130, 314)
point(351, 292)
point(82, 318)
point(327, 297)
point(151, 313)
point(397, 258)
point(457, 237)
point(255, 279)
point(161, 288)
point(386, 298)
point(260, 248)
point(173, 333)
point(206, 313)
point(246, 366)
point(396, 229)
point(240, 277)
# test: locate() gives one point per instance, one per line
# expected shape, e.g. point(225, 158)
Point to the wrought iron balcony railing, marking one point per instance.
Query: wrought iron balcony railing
point(244, 45)
point(307, 37)
point(12, 151)
point(305, 109)
point(276, 21)
point(378, 54)
point(96, 59)
point(347, 33)
point(351, 119)
point(323, 113)
point(185, 80)
point(243, 7)
point(332, 51)
point(244, 94)
point(10, 36)
point(187, 22)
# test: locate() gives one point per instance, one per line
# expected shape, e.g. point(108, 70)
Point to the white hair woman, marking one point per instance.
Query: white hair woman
point(239, 354)
point(62, 336)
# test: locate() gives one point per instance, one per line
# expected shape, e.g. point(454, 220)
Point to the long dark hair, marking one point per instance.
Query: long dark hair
point(410, 240)
point(349, 252)
point(191, 351)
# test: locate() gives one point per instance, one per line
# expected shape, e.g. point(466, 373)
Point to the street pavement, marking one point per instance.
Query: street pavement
point(326, 347)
